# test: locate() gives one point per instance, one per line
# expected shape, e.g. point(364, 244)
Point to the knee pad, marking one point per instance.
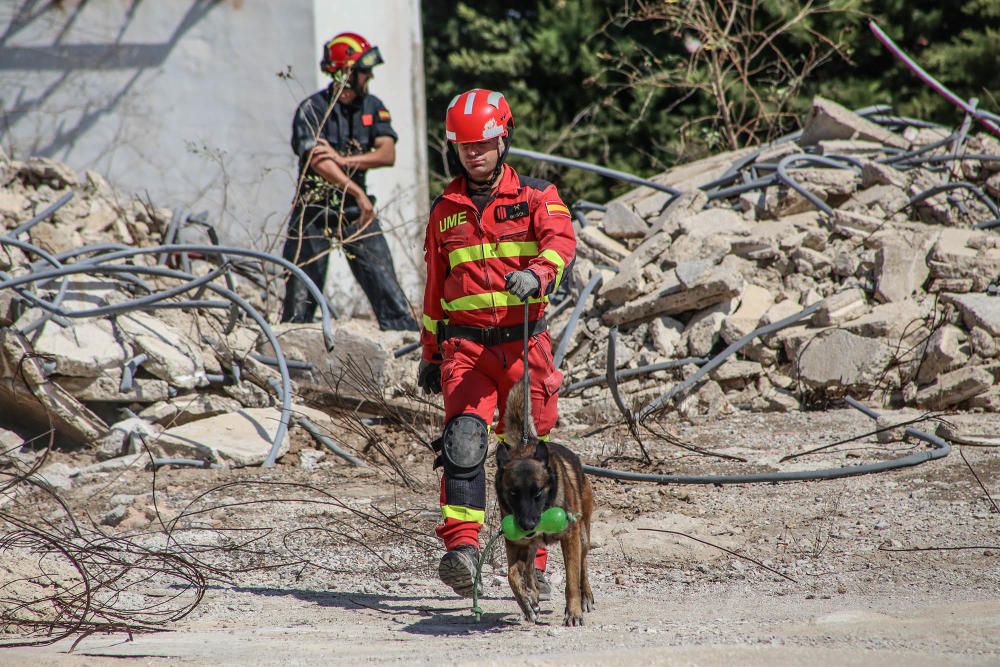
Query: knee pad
point(464, 445)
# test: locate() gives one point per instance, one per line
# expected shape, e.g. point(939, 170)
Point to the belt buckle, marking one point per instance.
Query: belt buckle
point(491, 336)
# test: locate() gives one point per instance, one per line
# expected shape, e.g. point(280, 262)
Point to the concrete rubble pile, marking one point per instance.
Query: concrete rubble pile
point(905, 282)
point(189, 383)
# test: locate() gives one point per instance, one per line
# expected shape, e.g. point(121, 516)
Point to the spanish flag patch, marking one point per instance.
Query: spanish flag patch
point(555, 208)
point(383, 114)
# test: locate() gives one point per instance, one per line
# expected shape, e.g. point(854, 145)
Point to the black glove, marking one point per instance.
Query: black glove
point(522, 284)
point(429, 377)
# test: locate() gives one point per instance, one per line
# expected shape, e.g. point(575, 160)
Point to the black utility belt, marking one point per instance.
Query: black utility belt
point(490, 335)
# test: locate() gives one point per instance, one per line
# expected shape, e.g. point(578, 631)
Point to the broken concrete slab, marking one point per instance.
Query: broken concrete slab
point(106, 388)
point(172, 357)
point(595, 238)
point(841, 361)
point(84, 349)
point(901, 266)
point(945, 350)
point(754, 302)
point(841, 307)
point(665, 333)
point(829, 120)
point(978, 310)
point(702, 330)
point(38, 403)
point(955, 387)
point(190, 407)
point(890, 320)
point(238, 439)
point(714, 221)
point(709, 288)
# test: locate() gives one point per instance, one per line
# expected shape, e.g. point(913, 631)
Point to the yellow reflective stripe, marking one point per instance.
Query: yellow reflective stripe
point(350, 41)
point(463, 513)
point(556, 259)
point(487, 300)
point(493, 251)
point(502, 437)
point(431, 325)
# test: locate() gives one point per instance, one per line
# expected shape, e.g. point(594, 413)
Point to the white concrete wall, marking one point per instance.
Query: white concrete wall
point(182, 100)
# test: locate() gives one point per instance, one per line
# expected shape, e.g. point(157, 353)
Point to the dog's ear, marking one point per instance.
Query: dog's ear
point(503, 454)
point(542, 452)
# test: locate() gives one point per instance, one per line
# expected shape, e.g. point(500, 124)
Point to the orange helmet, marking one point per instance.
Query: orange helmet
point(476, 115)
point(349, 49)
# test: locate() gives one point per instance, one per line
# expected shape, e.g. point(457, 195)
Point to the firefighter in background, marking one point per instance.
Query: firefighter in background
point(337, 140)
point(494, 240)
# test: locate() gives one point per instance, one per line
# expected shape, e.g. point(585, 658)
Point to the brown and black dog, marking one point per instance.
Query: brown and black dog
point(530, 479)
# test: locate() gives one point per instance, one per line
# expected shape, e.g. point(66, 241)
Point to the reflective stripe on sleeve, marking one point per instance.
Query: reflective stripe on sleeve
point(431, 325)
point(556, 259)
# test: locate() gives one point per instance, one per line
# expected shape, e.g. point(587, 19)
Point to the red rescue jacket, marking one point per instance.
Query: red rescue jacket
point(524, 226)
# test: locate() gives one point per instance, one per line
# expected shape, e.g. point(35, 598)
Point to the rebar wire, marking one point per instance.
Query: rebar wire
point(88, 268)
point(603, 171)
point(834, 161)
point(322, 438)
point(956, 185)
point(718, 360)
point(934, 84)
point(45, 213)
point(238, 252)
point(940, 449)
point(567, 332)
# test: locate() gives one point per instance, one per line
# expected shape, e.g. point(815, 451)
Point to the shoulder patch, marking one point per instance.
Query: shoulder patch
point(383, 114)
point(530, 182)
point(556, 208)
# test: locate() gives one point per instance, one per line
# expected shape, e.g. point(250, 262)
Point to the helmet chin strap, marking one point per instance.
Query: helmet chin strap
point(488, 183)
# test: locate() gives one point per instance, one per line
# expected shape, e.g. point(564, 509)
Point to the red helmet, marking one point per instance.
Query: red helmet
point(349, 49)
point(476, 115)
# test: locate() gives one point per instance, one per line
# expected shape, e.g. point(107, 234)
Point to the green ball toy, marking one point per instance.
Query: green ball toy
point(553, 520)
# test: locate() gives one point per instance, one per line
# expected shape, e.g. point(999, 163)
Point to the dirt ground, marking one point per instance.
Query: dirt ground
point(336, 565)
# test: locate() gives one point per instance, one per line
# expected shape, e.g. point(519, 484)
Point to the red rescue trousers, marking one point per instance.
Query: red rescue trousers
point(475, 379)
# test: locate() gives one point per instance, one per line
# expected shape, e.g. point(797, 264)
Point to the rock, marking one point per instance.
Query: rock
point(778, 400)
point(119, 439)
point(892, 320)
point(115, 516)
point(965, 254)
point(954, 387)
point(978, 310)
point(621, 222)
point(714, 221)
point(736, 369)
point(677, 296)
point(667, 224)
point(309, 458)
point(55, 476)
point(709, 400)
point(841, 307)
point(754, 302)
point(242, 438)
point(39, 170)
point(597, 239)
point(700, 248)
point(889, 431)
point(826, 184)
point(901, 266)
point(702, 330)
point(362, 357)
point(942, 352)
point(849, 147)
point(876, 173)
point(829, 120)
point(187, 408)
point(982, 343)
point(664, 333)
point(842, 361)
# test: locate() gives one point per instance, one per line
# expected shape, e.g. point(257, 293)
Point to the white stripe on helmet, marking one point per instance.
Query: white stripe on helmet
point(469, 100)
point(494, 99)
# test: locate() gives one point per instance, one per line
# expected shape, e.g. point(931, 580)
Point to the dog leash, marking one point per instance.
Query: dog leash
point(527, 385)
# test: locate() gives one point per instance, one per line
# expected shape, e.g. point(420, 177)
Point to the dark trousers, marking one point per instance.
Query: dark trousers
point(368, 257)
